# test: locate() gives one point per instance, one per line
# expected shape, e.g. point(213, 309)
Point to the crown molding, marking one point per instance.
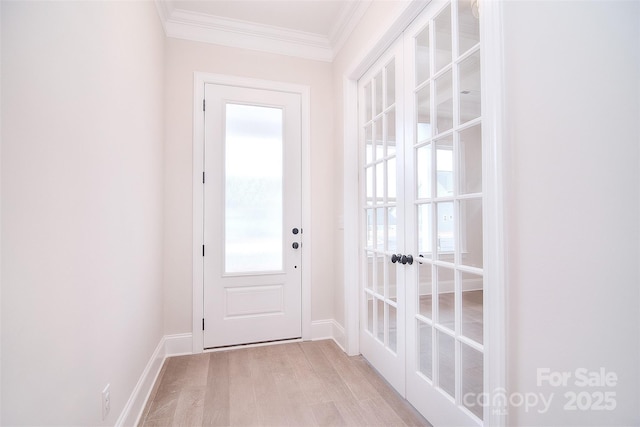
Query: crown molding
point(194, 26)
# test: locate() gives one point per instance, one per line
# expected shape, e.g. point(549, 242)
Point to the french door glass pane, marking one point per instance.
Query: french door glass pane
point(380, 229)
point(370, 266)
point(390, 87)
point(369, 185)
point(378, 94)
point(390, 132)
point(425, 359)
point(471, 232)
point(470, 173)
point(370, 227)
point(369, 308)
point(379, 143)
point(368, 144)
point(472, 306)
point(393, 335)
point(379, 274)
point(444, 167)
point(422, 56)
point(392, 271)
point(446, 297)
point(392, 244)
point(425, 290)
point(253, 227)
point(391, 180)
point(445, 222)
point(472, 378)
point(468, 25)
point(423, 110)
point(380, 184)
point(447, 363)
point(425, 236)
point(469, 93)
point(423, 171)
point(368, 110)
point(380, 319)
point(443, 38)
point(444, 103)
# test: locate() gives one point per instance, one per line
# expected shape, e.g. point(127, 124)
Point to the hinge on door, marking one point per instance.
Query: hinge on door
point(203, 323)
point(202, 250)
point(203, 109)
point(203, 177)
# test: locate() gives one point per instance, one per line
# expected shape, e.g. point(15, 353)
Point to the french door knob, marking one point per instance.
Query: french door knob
point(295, 245)
point(295, 231)
point(395, 258)
point(407, 259)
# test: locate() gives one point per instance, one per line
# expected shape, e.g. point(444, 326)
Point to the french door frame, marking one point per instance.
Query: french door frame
point(200, 79)
point(494, 155)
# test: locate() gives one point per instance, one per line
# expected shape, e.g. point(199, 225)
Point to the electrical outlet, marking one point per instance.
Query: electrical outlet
point(106, 401)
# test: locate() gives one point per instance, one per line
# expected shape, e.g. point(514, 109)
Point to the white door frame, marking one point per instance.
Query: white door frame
point(493, 132)
point(199, 81)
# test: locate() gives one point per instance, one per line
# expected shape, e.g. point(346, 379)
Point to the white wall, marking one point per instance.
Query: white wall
point(82, 156)
point(182, 58)
point(572, 113)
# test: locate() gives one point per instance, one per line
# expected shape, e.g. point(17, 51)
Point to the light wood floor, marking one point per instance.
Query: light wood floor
point(294, 384)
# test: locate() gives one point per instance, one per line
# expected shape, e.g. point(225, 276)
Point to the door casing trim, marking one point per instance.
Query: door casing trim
point(199, 81)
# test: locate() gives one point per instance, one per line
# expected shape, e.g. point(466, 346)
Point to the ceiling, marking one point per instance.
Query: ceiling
point(312, 29)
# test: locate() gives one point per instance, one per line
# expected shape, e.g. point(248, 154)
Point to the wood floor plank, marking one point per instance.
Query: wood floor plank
point(294, 384)
point(216, 400)
point(326, 414)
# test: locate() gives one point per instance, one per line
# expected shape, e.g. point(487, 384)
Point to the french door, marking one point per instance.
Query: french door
point(421, 214)
point(252, 215)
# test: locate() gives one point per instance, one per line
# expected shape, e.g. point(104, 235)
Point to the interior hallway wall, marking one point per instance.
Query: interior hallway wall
point(82, 185)
point(182, 59)
point(573, 179)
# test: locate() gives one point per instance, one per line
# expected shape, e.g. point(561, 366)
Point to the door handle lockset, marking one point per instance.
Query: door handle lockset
point(295, 245)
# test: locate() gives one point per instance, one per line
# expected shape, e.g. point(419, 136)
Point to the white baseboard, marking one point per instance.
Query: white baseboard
point(181, 344)
point(328, 329)
point(169, 345)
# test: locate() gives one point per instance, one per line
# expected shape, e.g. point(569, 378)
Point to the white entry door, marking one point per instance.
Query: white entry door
point(422, 264)
point(252, 216)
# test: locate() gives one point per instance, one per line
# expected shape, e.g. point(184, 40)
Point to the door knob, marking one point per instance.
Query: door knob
point(395, 258)
point(295, 231)
point(407, 259)
point(295, 245)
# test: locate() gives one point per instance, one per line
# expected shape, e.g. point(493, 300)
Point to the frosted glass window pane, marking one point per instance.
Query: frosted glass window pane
point(253, 189)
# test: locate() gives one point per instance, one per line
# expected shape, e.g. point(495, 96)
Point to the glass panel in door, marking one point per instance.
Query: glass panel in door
point(253, 189)
point(445, 306)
